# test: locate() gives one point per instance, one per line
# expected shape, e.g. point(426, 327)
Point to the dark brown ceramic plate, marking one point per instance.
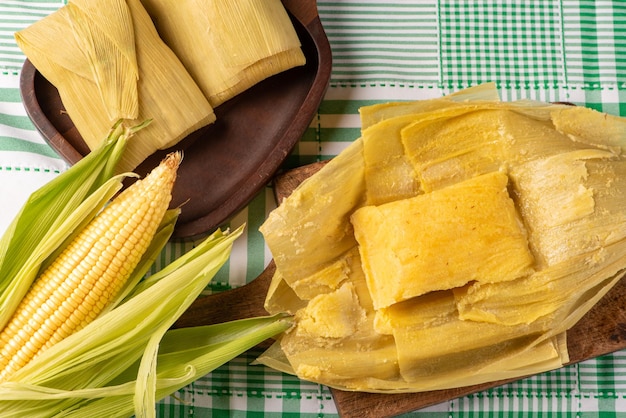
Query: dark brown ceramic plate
point(227, 163)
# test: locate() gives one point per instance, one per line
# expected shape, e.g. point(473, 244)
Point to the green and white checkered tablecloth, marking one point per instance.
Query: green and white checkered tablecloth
point(552, 50)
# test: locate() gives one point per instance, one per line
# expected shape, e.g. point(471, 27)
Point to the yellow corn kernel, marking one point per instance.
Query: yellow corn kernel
point(89, 273)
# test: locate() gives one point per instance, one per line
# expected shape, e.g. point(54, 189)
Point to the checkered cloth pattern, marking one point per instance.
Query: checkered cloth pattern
point(551, 50)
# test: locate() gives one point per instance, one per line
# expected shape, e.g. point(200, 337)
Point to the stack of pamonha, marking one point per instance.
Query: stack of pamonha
point(109, 61)
point(454, 243)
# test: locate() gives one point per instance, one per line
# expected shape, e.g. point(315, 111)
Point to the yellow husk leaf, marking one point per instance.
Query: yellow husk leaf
point(107, 41)
point(324, 233)
point(475, 310)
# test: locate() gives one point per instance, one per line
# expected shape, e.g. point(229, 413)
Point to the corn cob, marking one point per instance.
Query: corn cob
point(90, 271)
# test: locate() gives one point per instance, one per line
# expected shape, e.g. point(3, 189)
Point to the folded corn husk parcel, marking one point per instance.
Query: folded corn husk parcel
point(453, 243)
point(155, 59)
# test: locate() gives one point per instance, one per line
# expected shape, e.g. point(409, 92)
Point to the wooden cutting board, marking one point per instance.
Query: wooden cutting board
point(601, 331)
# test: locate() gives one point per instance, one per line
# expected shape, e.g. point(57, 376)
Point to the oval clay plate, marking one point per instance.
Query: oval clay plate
point(227, 163)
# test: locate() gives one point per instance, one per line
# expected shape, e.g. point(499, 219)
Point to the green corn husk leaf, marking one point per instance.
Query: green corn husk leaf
point(150, 308)
point(31, 238)
point(206, 348)
point(197, 251)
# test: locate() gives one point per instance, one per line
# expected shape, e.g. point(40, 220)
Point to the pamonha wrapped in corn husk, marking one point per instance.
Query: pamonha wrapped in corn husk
point(109, 61)
point(454, 243)
point(228, 46)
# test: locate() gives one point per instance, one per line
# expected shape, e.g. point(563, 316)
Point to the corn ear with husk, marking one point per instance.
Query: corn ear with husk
point(69, 201)
point(457, 241)
point(228, 46)
point(108, 63)
point(90, 271)
point(125, 357)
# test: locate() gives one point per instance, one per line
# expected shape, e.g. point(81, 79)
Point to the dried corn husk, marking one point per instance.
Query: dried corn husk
point(228, 46)
point(425, 295)
point(108, 62)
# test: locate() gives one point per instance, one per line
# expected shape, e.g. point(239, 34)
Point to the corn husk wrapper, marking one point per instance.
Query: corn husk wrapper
point(127, 358)
point(228, 46)
point(108, 63)
point(454, 243)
